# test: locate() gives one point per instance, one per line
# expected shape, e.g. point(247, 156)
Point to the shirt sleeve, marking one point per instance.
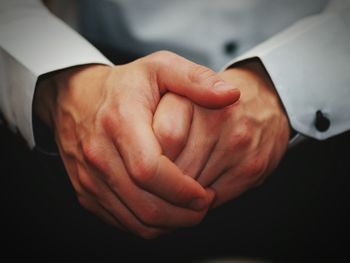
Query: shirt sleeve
point(309, 64)
point(34, 42)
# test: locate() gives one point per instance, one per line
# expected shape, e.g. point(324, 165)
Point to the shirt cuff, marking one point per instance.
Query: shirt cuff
point(34, 42)
point(308, 64)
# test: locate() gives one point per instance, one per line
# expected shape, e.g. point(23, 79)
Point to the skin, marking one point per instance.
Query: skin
point(229, 150)
point(102, 119)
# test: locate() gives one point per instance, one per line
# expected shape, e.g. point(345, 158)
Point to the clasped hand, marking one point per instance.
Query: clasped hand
point(150, 146)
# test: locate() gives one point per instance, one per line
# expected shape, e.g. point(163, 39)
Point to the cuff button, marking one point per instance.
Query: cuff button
point(322, 123)
point(230, 47)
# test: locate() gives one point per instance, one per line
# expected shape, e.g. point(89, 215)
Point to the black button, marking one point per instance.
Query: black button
point(230, 47)
point(322, 123)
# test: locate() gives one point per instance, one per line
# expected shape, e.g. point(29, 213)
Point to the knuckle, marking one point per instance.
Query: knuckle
point(256, 167)
point(239, 139)
point(90, 152)
point(163, 54)
point(94, 154)
point(109, 121)
point(244, 139)
point(200, 74)
point(150, 215)
point(86, 182)
point(183, 193)
point(162, 58)
point(142, 170)
point(169, 135)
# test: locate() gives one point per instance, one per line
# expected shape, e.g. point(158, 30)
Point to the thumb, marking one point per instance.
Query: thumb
point(198, 83)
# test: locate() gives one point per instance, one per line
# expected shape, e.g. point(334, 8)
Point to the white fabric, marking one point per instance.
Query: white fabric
point(308, 62)
point(34, 42)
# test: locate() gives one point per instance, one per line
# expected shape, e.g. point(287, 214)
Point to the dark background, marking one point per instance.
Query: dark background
point(301, 213)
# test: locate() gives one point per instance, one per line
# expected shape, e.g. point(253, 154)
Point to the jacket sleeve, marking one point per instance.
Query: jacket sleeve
point(309, 64)
point(34, 42)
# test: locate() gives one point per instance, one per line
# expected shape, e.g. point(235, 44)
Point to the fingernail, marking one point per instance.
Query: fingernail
point(221, 85)
point(199, 204)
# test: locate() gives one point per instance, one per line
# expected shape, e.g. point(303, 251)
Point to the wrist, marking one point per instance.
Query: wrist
point(267, 87)
point(58, 86)
point(257, 88)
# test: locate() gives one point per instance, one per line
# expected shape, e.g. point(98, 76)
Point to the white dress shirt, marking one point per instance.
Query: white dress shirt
point(304, 45)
